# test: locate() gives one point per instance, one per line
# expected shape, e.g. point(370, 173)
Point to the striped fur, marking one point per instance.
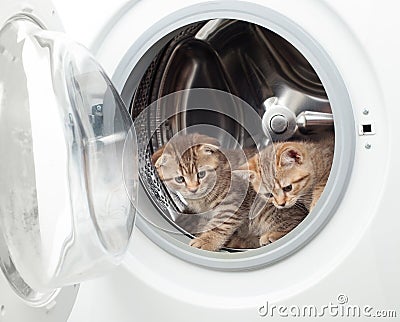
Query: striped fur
point(221, 200)
point(289, 173)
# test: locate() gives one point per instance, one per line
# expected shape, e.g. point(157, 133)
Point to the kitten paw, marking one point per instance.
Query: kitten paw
point(264, 240)
point(270, 237)
point(204, 243)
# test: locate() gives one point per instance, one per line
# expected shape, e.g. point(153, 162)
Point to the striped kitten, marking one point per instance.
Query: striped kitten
point(292, 172)
point(289, 178)
point(194, 167)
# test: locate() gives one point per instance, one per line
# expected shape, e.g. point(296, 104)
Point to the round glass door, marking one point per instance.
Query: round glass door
point(67, 203)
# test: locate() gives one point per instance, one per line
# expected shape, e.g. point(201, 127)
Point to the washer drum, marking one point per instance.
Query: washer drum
point(243, 69)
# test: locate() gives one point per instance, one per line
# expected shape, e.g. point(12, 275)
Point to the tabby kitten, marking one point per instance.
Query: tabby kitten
point(289, 173)
point(272, 223)
point(289, 178)
point(266, 224)
point(194, 167)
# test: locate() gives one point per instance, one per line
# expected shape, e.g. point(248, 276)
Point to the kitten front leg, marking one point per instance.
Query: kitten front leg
point(270, 237)
point(217, 232)
point(211, 241)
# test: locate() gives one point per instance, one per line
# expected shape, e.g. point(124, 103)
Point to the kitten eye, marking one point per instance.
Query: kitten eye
point(268, 195)
point(180, 179)
point(287, 188)
point(201, 174)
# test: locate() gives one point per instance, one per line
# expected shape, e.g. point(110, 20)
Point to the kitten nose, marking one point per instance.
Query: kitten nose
point(282, 204)
point(193, 189)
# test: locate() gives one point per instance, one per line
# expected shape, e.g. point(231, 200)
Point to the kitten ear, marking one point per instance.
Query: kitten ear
point(204, 139)
point(208, 148)
point(207, 144)
point(159, 158)
point(251, 168)
point(254, 167)
point(289, 156)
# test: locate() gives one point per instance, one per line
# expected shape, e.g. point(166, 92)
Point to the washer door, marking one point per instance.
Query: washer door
point(66, 200)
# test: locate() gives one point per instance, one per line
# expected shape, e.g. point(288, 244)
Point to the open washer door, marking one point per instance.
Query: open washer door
point(66, 200)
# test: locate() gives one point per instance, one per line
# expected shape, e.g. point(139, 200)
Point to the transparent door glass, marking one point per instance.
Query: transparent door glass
point(65, 213)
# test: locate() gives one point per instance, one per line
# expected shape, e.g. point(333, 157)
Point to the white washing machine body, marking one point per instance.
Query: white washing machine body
point(352, 262)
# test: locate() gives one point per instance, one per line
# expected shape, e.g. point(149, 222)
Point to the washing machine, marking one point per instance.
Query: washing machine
point(90, 90)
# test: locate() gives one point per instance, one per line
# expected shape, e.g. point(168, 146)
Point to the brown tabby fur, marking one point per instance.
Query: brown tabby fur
point(229, 223)
point(300, 168)
point(217, 196)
